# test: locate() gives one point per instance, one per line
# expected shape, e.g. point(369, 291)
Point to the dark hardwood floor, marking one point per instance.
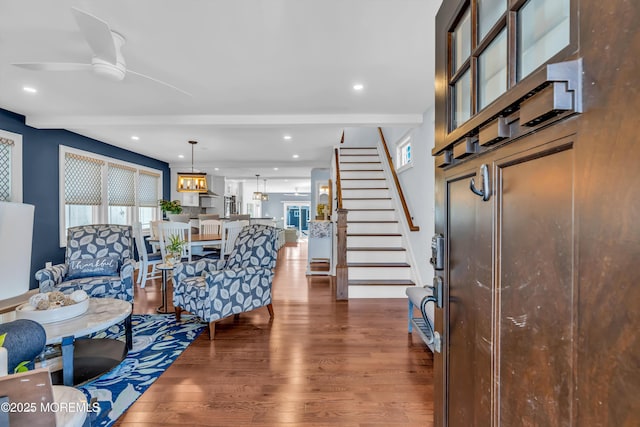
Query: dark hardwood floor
point(317, 363)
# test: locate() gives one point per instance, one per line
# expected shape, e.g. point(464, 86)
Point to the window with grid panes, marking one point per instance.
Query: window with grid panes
point(10, 166)
point(482, 64)
point(98, 189)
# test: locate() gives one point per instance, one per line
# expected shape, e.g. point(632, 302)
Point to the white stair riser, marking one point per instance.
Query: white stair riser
point(377, 292)
point(367, 204)
point(374, 227)
point(360, 166)
point(360, 174)
point(358, 151)
point(379, 273)
point(371, 216)
point(363, 158)
point(374, 241)
point(376, 256)
point(362, 183)
point(363, 192)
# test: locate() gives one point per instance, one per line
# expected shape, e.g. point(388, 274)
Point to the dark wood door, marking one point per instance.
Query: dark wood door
point(535, 288)
point(469, 305)
point(508, 329)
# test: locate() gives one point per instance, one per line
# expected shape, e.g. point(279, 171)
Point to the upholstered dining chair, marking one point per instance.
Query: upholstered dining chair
point(216, 289)
point(98, 260)
point(145, 258)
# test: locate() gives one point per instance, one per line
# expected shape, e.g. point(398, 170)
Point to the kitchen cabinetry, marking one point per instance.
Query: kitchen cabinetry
point(536, 186)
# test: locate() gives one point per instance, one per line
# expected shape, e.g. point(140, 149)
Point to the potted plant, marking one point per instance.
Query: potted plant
point(174, 249)
point(170, 207)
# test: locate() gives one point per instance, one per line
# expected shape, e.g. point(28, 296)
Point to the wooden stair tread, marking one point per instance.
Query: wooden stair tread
point(373, 222)
point(370, 209)
point(350, 163)
point(381, 282)
point(374, 234)
point(364, 188)
point(366, 198)
point(377, 249)
point(378, 264)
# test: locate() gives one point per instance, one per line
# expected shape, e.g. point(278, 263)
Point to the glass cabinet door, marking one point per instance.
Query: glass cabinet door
point(543, 31)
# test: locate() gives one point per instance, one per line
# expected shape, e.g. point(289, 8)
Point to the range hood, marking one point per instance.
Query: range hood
point(209, 193)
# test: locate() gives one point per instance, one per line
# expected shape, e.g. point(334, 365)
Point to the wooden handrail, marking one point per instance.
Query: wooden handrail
point(338, 185)
point(412, 227)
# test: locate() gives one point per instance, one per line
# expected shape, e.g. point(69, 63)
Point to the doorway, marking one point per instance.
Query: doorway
point(296, 215)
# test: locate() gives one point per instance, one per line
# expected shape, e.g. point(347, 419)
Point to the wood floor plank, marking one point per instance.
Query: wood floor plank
point(318, 362)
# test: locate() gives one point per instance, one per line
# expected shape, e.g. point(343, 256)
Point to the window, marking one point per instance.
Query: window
point(10, 167)
point(403, 154)
point(96, 189)
point(494, 44)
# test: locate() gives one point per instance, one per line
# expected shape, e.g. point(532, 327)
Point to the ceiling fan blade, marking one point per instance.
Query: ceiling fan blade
point(98, 35)
point(144, 76)
point(54, 66)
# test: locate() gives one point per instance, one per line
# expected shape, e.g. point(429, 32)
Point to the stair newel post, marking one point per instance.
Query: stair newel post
point(342, 274)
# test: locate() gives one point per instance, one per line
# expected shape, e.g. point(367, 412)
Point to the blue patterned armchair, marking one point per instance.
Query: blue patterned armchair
point(216, 289)
point(98, 260)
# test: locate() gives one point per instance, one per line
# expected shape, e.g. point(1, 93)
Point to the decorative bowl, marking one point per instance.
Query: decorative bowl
point(52, 314)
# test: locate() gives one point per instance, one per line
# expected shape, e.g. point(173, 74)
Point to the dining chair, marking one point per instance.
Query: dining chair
point(145, 258)
point(203, 217)
point(170, 228)
point(230, 232)
point(211, 226)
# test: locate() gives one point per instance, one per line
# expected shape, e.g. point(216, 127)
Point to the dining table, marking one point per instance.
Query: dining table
point(198, 241)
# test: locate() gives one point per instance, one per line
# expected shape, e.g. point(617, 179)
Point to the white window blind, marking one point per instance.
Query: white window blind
point(121, 185)
point(82, 180)
point(148, 189)
point(6, 145)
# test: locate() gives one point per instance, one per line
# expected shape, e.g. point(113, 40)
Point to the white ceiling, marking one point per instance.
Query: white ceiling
point(257, 70)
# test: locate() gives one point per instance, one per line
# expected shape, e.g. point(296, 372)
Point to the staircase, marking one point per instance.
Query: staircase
point(376, 258)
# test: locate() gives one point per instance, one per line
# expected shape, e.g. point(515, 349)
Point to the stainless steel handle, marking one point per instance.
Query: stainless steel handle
point(485, 193)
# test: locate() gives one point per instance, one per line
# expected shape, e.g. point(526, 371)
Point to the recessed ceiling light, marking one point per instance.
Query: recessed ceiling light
point(135, 138)
point(181, 156)
point(275, 169)
point(295, 156)
point(216, 169)
point(358, 86)
point(287, 137)
point(30, 89)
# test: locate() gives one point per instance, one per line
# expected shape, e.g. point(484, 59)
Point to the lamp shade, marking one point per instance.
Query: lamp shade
point(16, 233)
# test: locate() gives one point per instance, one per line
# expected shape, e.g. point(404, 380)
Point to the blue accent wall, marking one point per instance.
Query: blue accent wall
point(40, 168)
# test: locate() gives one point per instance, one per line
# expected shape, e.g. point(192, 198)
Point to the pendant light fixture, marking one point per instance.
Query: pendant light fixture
point(192, 182)
point(265, 196)
point(257, 195)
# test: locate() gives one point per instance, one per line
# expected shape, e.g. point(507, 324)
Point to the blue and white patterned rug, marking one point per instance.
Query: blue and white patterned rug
point(157, 342)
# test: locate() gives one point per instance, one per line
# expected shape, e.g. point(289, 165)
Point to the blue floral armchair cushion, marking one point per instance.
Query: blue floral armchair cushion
point(217, 289)
point(90, 242)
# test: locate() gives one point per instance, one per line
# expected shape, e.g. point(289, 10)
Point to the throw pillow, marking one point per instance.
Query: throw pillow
point(105, 266)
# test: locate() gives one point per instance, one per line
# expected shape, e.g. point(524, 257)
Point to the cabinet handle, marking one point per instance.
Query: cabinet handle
point(485, 193)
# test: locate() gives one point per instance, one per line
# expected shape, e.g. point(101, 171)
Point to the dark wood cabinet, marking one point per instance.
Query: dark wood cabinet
point(541, 311)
